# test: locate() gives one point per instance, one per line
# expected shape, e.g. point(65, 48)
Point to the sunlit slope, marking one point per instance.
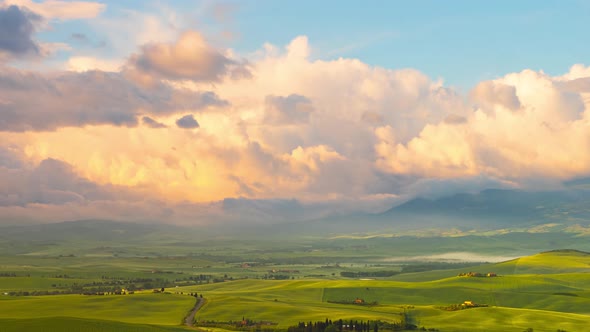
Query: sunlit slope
point(550, 262)
point(557, 261)
point(515, 302)
point(500, 319)
point(518, 298)
point(69, 324)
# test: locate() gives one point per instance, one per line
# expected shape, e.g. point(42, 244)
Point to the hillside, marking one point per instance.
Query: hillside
point(515, 301)
point(555, 262)
point(500, 207)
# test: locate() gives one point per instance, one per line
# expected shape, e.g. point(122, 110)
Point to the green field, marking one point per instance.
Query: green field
point(158, 309)
point(60, 324)
point(286, 281)
point(288, 302)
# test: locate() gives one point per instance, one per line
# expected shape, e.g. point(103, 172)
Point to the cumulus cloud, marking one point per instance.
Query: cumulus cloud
point(490, 94)
point(187, 122)
point(296, 129)
point(190, 58)
point(310, 130)
point(37, 101)
point(17, 26)
point(547, 138)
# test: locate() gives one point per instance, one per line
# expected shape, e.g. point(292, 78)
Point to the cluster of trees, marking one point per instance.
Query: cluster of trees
point(246, 324)
point(368, 274)
point(455, 307)
point(433, 266)
point(7, 274)
point(274, 276)
point(39, 293)
point(477, 274)
point(334, 326)
point(357, 301)
point(355, 326)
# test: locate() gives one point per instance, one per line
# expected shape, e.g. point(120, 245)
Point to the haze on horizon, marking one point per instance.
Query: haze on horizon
point(175, 110)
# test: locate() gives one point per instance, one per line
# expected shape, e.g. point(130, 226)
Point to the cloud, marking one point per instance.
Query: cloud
point(532, 130)
point(292, 109)
point(490, 94)
point(152, 123)
point(17, 26)
point(50, 182)
point(295, 129)
point(190, 58)
point(61, 10)
point(87, 98)
point(455, 119)
point(338, 133)
point(85, 63)
point(187, 122)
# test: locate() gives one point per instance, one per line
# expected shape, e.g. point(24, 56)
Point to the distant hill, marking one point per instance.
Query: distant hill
point(98, 230)
point(500, 206)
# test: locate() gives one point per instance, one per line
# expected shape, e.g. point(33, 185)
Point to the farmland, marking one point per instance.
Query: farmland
point(299, 281)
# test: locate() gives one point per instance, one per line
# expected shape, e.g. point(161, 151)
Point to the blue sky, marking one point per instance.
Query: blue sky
point(462, 42)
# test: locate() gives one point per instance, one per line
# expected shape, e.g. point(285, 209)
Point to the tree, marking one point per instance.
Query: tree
point(331, 328)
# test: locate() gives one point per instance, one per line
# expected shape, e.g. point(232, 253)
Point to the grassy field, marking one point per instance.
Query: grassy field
point(546, 291)
point(60, 324)
point(545, 302)
point(157, 309)
point(511, 307)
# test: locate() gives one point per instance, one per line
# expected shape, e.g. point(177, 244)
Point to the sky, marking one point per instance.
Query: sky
point(195, 112)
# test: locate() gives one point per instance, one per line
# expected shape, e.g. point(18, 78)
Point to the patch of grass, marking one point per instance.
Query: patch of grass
point(159, 309)
point(70, 324)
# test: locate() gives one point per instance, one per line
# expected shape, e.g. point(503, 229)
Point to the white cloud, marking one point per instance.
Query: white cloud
point(546, 138)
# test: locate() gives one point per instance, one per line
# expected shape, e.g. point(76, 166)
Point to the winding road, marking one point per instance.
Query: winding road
point(190, 319)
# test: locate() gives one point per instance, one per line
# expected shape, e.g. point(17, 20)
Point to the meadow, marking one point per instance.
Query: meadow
point(515, 302)
point(285, 281)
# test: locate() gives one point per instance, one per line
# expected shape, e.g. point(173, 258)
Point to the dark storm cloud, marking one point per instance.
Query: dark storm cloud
point(37, 102)
point(51, 182)
point(187, 122)
point(17, 26)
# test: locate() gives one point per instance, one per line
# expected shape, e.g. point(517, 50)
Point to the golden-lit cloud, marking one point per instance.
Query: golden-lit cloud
point(189, 58)
point(173, 125)
point(529, 126)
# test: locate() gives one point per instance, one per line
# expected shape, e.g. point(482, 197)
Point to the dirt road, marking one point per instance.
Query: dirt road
point(190, 319)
